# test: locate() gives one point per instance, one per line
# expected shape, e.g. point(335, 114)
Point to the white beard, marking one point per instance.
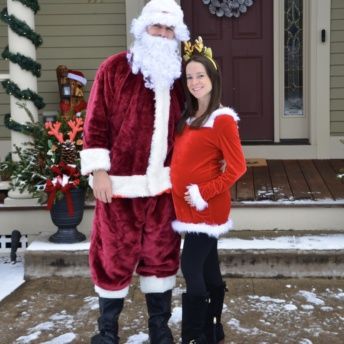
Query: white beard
point(157, 58)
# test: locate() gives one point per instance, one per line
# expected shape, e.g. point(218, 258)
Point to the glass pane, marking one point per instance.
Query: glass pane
point(293, 42)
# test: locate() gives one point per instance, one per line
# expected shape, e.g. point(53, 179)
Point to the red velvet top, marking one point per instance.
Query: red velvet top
point(196, 160)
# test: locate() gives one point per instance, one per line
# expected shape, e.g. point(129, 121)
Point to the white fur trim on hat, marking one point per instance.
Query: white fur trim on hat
point(196, 198)
point(211, 230)
point(93, 159)
point(77, 77)
point(221, 111)
point(164, 12)
point(153, 284)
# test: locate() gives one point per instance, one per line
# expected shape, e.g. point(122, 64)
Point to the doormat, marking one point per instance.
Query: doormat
point(256, 162)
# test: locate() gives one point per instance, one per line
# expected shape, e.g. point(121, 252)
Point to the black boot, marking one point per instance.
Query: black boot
point(193, 318)
point(110, 310)
point(159, 311)
point(213, 327)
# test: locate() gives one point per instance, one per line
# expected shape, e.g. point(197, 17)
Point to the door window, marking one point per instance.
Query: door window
point(293, 55)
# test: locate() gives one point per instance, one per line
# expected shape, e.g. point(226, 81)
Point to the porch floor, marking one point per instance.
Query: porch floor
point(295, 181)
point(281, 182)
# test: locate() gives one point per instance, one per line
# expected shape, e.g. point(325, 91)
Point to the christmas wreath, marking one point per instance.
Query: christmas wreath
point(228, 8)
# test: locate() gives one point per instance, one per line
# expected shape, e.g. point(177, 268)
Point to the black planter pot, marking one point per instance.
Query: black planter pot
point(67, 232)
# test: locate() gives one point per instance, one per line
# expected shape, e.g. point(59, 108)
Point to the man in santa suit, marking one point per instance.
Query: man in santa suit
point(134, 105)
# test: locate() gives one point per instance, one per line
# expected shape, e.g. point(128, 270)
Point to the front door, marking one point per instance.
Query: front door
point(243, 47)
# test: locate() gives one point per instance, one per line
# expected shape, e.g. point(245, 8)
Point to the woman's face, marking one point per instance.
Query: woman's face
point(198, 81)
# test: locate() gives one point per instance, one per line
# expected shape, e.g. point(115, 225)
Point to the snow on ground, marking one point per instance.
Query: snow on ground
point(12, 275)
point(272, 311)
point(302, 310)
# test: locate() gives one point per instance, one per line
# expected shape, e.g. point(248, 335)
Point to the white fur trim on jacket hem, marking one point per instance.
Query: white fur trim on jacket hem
point(112, 294)
point(153, 284)
point(139, 186)
point(211, 230)
point(196, 198)
point(93, 159)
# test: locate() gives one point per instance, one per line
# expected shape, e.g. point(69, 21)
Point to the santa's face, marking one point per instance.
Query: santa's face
point(159, 30)
point(157, 57)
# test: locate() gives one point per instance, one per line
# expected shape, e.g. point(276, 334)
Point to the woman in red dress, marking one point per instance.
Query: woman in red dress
point(207, 135)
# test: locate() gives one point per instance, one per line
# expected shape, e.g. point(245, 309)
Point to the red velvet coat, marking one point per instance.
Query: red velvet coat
point(129, 130)
point(196, 167)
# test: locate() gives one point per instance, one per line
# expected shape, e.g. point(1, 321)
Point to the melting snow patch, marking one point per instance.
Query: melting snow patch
point(235, 324)
point(290, 307)
point(29, 338)
point(63, 339)
point(92, 302)
point(12, 276)
point(311, 297)
point(306, 242)
point(176, 316)
point(305, 341)
point(307, 307)
point(137, 338)
point(266, 299)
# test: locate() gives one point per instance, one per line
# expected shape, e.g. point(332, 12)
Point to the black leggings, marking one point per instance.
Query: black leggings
point(200, 263)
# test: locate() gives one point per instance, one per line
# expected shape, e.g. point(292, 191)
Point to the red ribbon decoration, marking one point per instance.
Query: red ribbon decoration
point(60, 170)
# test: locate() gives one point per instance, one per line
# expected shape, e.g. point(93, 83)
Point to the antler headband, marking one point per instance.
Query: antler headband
point(198, 48)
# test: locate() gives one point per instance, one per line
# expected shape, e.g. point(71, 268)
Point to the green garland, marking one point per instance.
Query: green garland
point(15, 126)
point(24, 62)
point(12, 88)
point(33, 4)
point(21, 28)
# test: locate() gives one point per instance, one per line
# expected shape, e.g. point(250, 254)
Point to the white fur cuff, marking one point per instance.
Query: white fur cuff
point(112, 294)
point(153, 284)
point(93, 159)
point(197, 200)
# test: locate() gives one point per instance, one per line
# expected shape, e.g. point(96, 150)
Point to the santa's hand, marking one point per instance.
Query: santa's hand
point(102, 186)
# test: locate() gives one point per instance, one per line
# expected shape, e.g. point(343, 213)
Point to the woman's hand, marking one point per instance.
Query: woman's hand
point(187, 198)
point(102, 186)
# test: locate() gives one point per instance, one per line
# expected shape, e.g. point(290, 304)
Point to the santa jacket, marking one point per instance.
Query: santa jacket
point(129, 130)
point(196, 166)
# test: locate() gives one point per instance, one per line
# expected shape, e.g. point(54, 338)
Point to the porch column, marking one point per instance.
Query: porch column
point(25, 80)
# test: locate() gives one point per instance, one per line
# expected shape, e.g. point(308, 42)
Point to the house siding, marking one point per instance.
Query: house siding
point(337, 68)
point(79, 34)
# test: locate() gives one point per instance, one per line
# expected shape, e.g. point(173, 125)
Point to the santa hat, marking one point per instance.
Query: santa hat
point(78, 76)
point(164, 12)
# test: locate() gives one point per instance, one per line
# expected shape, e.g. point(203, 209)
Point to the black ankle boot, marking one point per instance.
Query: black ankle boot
point(110, 310)
point(193, 318)
point(159, 311)
point(213, 327)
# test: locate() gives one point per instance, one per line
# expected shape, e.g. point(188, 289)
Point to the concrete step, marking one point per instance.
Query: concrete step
point(242, 254)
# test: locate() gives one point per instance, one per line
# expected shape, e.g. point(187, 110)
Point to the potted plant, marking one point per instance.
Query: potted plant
point(48, 167)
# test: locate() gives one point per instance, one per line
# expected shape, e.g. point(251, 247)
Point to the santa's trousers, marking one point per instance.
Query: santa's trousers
point(131, 235)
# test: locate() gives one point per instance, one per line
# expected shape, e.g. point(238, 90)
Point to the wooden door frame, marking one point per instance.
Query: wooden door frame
point(317, 67)
point(317, 77)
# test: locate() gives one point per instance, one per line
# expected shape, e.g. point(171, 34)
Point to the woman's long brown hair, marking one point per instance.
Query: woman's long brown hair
point(192, 103)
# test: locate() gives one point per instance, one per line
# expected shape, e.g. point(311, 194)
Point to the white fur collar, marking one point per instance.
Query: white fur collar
point(220, 111)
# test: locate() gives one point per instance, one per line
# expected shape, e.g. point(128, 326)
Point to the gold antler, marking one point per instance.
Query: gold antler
point(189, 50)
